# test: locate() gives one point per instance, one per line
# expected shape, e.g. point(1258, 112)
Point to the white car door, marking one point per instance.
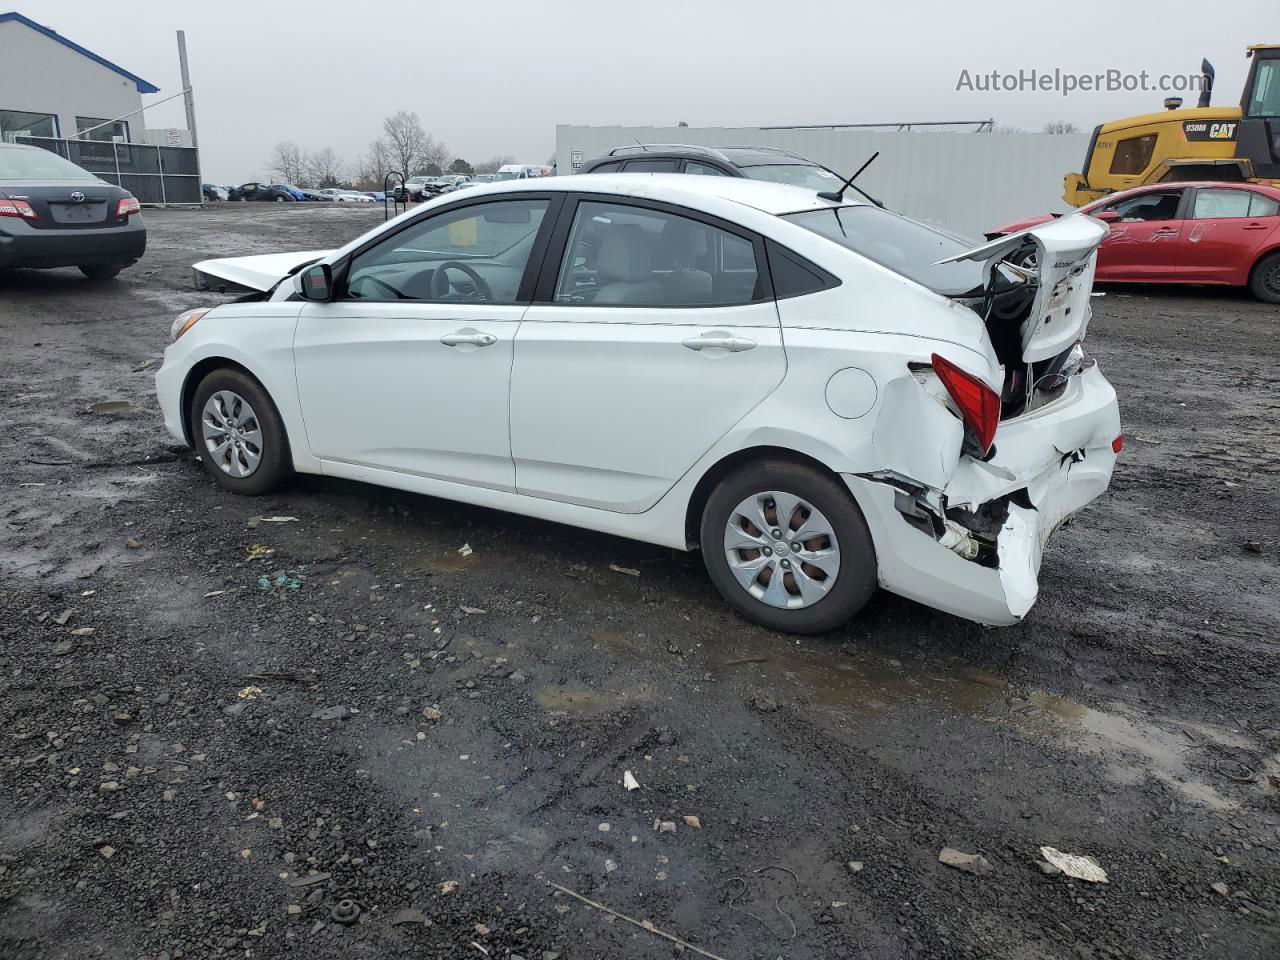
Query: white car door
point(408, 368)
point(657, 339)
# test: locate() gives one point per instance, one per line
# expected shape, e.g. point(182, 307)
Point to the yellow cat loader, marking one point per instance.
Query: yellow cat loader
point(1203, 143)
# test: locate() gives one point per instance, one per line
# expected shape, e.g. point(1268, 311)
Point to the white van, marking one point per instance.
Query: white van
point(522, 171)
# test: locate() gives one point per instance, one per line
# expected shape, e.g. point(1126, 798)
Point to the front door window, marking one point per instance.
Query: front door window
point(473, 254)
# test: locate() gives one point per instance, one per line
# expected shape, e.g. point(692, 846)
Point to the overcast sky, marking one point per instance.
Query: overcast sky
point(496, 77)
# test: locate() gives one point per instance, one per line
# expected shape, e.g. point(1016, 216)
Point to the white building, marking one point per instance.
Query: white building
point(53, 87)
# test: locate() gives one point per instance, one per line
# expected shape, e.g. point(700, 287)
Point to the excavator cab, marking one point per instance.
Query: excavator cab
point(1200, 143)
point(1259, 136)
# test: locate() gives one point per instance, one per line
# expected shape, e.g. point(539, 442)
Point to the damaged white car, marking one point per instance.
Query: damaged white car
point(821, 396)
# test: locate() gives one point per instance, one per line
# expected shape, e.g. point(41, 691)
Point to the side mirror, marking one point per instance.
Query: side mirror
point(1106, 216)
point(315, 283)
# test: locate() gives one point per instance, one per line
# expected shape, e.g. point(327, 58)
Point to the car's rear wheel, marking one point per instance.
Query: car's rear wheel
point(100, 271)
point(280, 198)
point(238, 433)
point(1264, 281)
point(788, 547)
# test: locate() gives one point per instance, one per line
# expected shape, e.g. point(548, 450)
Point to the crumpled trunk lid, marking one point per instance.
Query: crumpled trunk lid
point(1065, 261)
point(259, 273)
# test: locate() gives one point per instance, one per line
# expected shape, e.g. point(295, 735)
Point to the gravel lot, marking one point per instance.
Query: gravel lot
point(214, 734)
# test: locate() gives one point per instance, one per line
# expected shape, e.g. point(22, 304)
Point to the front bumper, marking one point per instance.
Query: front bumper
point(1048, 465)
point(170, 380)
point(22, 245)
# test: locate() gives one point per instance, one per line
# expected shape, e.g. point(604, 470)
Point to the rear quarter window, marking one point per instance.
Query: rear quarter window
point(793, 275)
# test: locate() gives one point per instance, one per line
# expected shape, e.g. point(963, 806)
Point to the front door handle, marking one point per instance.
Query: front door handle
point(1256, 226)
point(469, 339)
point(732, 344)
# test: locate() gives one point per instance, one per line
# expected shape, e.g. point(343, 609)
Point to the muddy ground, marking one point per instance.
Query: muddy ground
point(212, 728)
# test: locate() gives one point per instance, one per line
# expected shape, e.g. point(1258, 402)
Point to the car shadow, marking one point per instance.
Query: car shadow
point(417, 521)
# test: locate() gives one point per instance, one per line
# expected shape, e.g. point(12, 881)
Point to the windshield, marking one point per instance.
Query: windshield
point(902, 245)
point(506, 175)
point(39, 165)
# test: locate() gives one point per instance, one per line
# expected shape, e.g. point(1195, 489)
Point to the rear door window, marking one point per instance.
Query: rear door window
point(1221, 204)
point(650, 166)
point(620, 255)
point(703, 169)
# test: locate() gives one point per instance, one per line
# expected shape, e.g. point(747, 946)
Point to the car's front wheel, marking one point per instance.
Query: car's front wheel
point(1264, 281)
point(788, 547)
point(238, 433)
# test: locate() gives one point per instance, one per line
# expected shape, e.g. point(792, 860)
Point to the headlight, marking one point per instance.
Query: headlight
point(186, 321)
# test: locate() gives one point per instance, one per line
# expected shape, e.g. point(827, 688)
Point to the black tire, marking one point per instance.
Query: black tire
point(856, 579)
point(98, 272)
point(1264, 280)
point(276, 464)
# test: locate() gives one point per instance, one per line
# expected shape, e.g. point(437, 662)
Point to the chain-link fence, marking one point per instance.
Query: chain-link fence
point(155, 175)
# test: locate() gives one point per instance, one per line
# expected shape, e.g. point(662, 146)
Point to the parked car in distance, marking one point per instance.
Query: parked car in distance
point(56, 214)
point(833, 414)
point(296, 192)
point(521, 171)
point(214, 193)
point(450, 184)
point(485, 177)
point(261, 193)
point(418, 188)
point(376, 195)
point(315, 196)
point(1202, 232)
point(342, 195)
point(757, 163)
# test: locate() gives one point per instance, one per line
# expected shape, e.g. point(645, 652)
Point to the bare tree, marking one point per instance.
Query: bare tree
point(323, 168)
point(286, 162)
point(434, 155)
point(1061, 126)
point(371, 170)
point(404, 141)
point(493, 163)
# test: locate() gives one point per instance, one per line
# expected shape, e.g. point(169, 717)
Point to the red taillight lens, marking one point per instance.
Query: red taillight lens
point(1118, 443)
point(127, 205)
point(979, 404)
point(16, 208)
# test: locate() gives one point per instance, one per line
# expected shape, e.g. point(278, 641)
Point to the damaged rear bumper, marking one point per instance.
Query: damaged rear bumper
point(974, 548)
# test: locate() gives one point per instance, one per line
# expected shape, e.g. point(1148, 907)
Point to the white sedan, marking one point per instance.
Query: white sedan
point(805, 389)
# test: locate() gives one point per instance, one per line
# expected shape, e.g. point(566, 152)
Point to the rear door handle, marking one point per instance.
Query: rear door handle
point(468, 339)
point(732, 344)
point(1166, 232)
point(1256, 226)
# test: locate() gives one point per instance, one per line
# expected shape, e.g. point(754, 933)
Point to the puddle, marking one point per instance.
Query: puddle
point(1131, 745)
point(112, 406)
point(583, 702)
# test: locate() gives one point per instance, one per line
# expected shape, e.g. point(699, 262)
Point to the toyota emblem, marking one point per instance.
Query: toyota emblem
point(77, 196)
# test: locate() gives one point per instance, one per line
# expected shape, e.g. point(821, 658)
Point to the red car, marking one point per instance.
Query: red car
point(1222, 233)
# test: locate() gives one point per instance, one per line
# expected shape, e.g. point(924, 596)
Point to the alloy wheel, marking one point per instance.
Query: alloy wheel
point(782, 550)
point(232, 434)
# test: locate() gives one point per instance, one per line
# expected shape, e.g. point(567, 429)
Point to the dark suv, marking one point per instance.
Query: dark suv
point(758, 163)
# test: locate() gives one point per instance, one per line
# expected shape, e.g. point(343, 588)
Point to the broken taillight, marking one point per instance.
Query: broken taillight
point(979, 405)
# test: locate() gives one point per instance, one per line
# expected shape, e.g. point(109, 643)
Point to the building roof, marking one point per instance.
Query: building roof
point(142, 85)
